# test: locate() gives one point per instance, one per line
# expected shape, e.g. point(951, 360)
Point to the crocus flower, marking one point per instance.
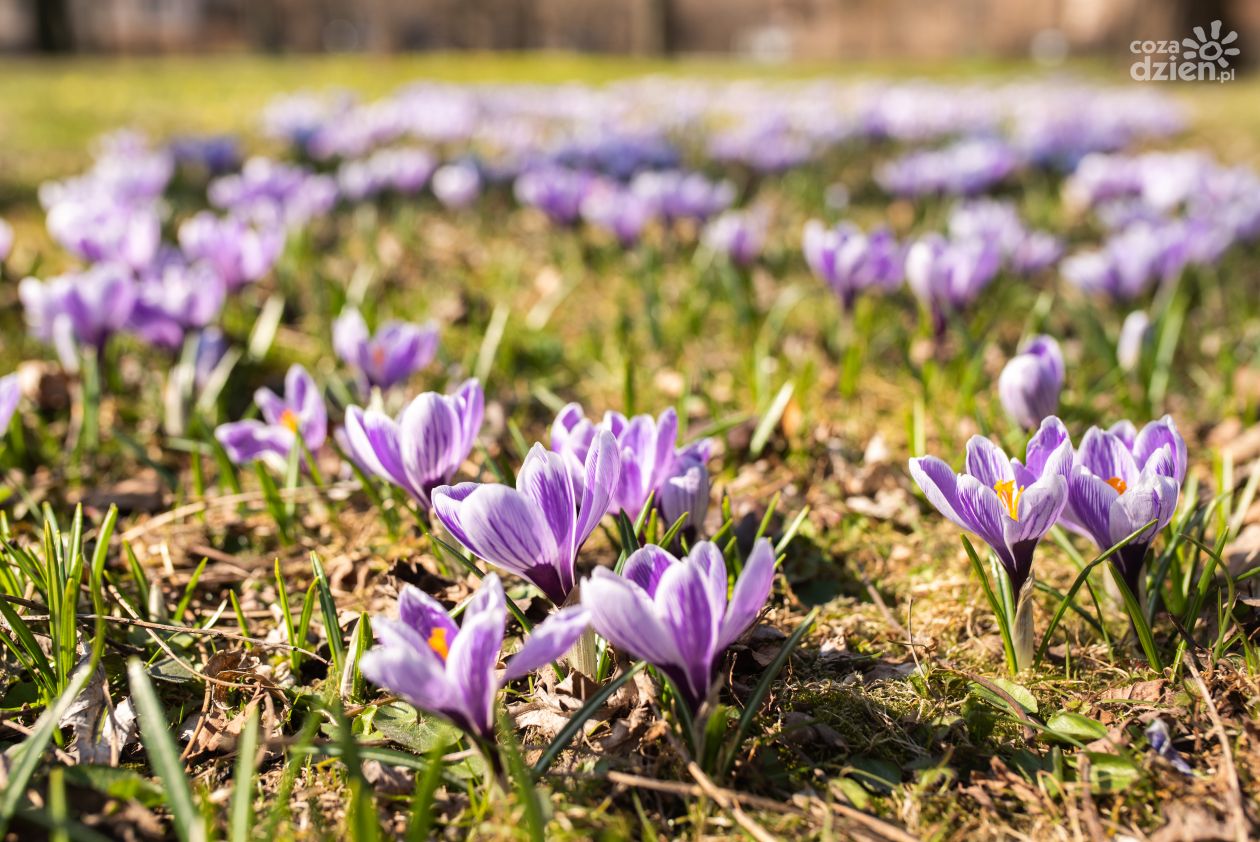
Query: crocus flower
point(536, 529)
point(674, 613)
point(1030, 383)
point(177, 299)
point(1133, 336)
point(84, 308)
point(1122, 479)
point(398, 350)
point(647, 447)
point(948, 275)
point(424, 447)
point(1009, 504)
point(300, 412)
point(739, 236)
point(850, 261)
point(686, 492)
point(451, 671)
point(617, 210)
point(6, 240)
point(10, 394)
point(241, 253)
point(556, 191)
point(457, 185)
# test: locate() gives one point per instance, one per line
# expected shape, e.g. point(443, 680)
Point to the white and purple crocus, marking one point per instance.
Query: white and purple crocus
point(851, 261)
point(450, 670)
point(395, 352)
point(674, 613)
point(424, 446)
point(647, 449)
point(1030, 383)
point(299, 416)
point(1121, 480)
point(536, 529)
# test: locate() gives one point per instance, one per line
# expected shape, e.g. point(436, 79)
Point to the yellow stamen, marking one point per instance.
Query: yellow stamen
point(1118, 484)
point(289, 419)
point(437, 642)
point(1009, 495)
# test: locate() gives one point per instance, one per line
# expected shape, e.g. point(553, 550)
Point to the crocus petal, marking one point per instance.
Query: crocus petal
point(623, 613)
point(601, 472)
point(939, 484)
point(428, 435)
point(349, 335)
point(303, 396)
point(423, 613)
point(507, 529)
point(1040, 506)
point(1159, 434)
point(706, 556)
point(548, 641)
point(1090, 499)
point(646, 565)
point(470, 666)
point(682, 598)
point(447, 505)
point(752, 589)
point(544, 478)
point(987, 463)
point(404, 665)
point(1106, 456)
point(1050, 449)
point(1153, 498)
point(10, 394)
point(983, 512)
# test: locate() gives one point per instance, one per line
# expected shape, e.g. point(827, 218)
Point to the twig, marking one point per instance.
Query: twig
point(723, 799)
point(229, 500)
point(1233, 793)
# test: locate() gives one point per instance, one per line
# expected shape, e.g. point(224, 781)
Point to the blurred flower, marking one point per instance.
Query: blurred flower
point(1134, 334)
point(6, 240)
point(556, 191)
point(946, 276)
point(424, 447)
point(452, 671)
point(1030, 383)
point(457, 185)
point(214, 154)
point(10, 396)
point(737, 235)
point(175, 299)
point(686, 492)
point(851, 261)
point(964, 168)
point(300, 412)
point(536, 529)
point(239, 252)
point(676, 194)
point(80, 308)
point(97, 228)
point(615, 209)
point(398, 350)
point(674, 613)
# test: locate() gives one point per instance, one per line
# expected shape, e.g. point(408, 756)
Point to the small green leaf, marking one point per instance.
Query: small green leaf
point(1077, 726)
point(1111, 772)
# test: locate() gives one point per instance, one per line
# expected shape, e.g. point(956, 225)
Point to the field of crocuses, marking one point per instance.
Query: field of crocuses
point(673, 456)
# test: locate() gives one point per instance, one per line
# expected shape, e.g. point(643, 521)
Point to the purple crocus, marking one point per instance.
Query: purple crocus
point(536, 529)
point(175, 300)
point(451, 671)
point(738, 235)
point(947, 275)
point(647, 447)
point(1007, 503)
point(241, 253)
point(424, 446)
point(686, 492)
point(398, 350)
point(84, 308)
point(617, 210)
point(556, 191)
point(674, 613)
point(1122, 479)
point(10, 395)
point(1030, 383)
point(850, 261)
point(299, 412)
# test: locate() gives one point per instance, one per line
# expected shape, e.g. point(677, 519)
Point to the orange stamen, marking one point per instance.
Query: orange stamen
point(437, 642)
point(1118, 484)
point(289, 419)
point(1009, 495)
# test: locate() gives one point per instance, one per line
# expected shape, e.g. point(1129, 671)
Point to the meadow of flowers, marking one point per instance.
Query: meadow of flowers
point(671, 457)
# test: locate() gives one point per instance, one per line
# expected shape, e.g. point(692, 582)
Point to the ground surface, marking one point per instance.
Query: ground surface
point(896, 703)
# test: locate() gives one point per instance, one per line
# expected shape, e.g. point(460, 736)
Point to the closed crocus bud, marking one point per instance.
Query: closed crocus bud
point(1029, 386)
point(686, 492)
point(457, 185)
point(1133, 335)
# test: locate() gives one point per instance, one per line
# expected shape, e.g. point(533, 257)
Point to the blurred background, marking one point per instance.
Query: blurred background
point(766, 30)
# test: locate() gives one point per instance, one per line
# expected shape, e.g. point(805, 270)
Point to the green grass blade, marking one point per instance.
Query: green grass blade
point(241, 812)
point(164, 756)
